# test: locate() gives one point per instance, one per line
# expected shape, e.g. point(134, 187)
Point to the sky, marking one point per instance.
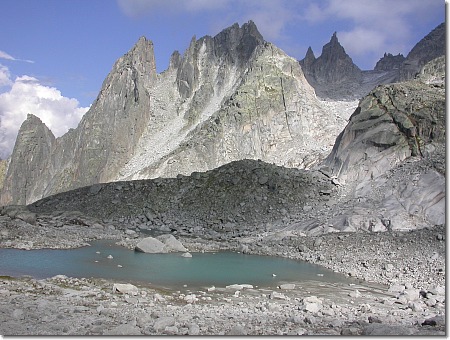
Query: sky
point(55, 54)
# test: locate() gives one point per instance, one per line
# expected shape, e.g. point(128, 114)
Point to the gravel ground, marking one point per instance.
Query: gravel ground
point(399, 287)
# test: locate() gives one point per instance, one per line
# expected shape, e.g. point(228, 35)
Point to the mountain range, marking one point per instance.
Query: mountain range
point(232, 97)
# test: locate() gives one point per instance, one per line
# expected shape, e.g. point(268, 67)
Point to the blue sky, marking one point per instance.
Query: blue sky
point(55, 54)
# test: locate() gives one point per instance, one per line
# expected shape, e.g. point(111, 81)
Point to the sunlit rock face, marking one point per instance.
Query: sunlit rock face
point(228, 97)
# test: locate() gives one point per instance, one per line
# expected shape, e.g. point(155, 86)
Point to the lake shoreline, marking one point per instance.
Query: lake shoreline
point(410, 264)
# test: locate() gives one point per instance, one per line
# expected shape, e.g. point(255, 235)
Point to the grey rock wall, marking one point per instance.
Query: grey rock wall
point(28, 164)
point(392, 123)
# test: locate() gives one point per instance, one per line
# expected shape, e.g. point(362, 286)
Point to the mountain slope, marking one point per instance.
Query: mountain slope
point(391, 156)
point(228, 97)
point(427, 49)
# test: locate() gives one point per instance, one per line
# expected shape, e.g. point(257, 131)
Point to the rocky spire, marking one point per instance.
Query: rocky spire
point(333, 66)
point(30, 158)
point(308, 61)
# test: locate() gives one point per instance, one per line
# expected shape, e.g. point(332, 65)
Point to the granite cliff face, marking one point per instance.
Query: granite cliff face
point(392, 152)
point(98, 147)
point(28, 164)
point(333, 68)
point(271, 115)
point(228, 97)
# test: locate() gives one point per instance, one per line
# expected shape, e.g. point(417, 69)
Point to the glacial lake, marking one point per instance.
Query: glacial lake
point(163, 270)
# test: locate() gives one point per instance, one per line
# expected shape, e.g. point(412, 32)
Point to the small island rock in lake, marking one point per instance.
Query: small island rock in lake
point(161, 244)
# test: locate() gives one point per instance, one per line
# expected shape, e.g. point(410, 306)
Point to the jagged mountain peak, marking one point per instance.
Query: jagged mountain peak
point(332, 68)
point(33, 145)
point(310, 54)
point(232, 48)
point(334, 38)
point(32, 119)
point(334, 52)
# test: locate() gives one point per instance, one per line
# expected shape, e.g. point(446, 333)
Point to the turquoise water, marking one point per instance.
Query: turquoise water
point(168, 270)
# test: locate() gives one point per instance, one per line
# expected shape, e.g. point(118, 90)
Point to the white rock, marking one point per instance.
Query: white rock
point(125, 288)
point(151, 245)
point(239, 286)
point(171, 243)
point(163, 322)
point(191, 298)
point(276, 295)
point(287, 286)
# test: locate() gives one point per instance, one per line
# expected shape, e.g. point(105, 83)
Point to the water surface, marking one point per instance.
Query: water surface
point(168, 270)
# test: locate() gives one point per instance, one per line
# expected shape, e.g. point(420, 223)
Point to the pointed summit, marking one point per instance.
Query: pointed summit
point(242, 39)
point(233, 47)
point(310, 54)
point(334, 66)
point(334, 39)
point(33, 147)
point(308, 61)
point(142, 58)
point(334, 53)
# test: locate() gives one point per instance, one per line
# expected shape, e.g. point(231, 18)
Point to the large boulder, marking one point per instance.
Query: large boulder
point(171, 243)
point(151, 245)
point(162, 244)
point(125, 288)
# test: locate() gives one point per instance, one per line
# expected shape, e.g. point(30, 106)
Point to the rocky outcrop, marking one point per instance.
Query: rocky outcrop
point(3, 168)
point(29, 165)
point(427, 49)
point(334, 76)
point(333, 66)
point(392, 123)
point(161, 244)
point(390, 62)
point(391, 154)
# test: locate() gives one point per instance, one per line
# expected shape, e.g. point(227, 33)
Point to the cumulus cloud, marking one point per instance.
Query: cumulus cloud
point(5, 76)
point(27, 95)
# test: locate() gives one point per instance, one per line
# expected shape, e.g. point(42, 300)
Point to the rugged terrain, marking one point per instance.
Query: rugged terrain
point(252, 162)
point(227, 98)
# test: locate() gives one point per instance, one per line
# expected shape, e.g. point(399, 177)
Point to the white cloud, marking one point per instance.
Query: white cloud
point(27, 95)
point(4, 55)
point(5, 76)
